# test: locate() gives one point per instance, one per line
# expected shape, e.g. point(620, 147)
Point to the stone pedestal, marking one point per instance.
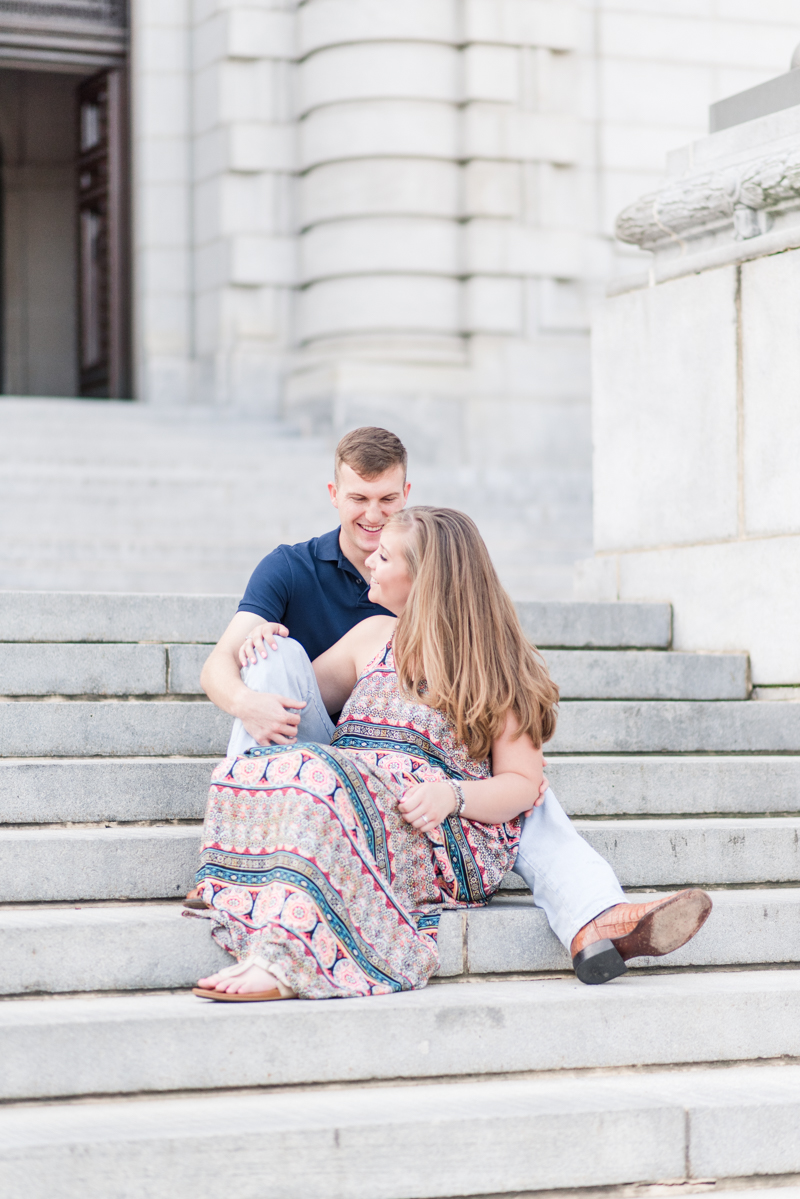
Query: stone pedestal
point(696, 402)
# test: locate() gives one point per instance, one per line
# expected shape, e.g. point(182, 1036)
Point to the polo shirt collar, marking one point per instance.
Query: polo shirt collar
point(329, 550)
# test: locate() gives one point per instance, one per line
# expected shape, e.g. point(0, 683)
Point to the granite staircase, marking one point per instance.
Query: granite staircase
point(505, 1075)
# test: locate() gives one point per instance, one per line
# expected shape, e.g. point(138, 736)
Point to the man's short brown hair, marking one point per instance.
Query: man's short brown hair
point(370, 452)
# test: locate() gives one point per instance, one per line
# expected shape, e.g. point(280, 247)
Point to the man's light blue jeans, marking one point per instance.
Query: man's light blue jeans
point(568, 879)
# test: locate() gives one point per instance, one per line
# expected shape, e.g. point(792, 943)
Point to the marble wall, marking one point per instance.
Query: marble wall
point(695, 410)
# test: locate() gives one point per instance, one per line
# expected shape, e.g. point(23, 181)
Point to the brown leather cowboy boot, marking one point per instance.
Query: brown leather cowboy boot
point(632, 930)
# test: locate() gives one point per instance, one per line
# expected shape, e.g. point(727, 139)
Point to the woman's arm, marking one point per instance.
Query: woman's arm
point(339, 667)
point(517, 776)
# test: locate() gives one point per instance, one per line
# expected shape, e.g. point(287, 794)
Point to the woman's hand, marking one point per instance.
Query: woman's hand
point(425, 805)
point(256, 643)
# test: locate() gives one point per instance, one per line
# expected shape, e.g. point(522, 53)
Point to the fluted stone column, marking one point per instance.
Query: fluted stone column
point(379, 318)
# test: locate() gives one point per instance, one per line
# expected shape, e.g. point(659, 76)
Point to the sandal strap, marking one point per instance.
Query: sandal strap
point(245, 964)
point(255, 960)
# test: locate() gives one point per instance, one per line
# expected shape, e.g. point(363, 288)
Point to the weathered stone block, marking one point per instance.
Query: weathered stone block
point(58, 669)
point(95, 790)
point(664, 435)
point(370, 304)
point(51, 865)
point(385, 186)
point(701, 581)
point(332, 22)
point(581, 625)
point(331, 1140)
point(620, 726)
point(366, 72)
point(501, 131)
point(391, 244)
point(376, 128)
point(491, 73)
point(117, 729)
point(632, 674)
point(771, 366)
point(493, 305)
point(48, 616)
point(684, 852)
point(185, 665)
point(667, 786)
point(157, 1043)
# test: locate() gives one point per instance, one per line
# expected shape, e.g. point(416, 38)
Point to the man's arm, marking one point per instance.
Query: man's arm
point(268, 718)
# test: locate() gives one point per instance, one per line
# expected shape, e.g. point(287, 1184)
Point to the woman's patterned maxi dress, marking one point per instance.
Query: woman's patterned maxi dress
point(307, 862)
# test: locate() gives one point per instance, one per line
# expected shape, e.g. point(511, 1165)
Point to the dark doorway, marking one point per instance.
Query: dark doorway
point(64, 242)
point(103, 255)
point(38, 112)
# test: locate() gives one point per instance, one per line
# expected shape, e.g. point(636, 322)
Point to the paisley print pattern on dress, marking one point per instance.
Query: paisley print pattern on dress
point(307, 862)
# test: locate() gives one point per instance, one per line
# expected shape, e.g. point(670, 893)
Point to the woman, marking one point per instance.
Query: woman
point(326, 868)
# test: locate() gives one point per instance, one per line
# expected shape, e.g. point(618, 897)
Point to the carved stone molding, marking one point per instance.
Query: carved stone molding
point(741, 196)
point(104, 12)
point(84, 35)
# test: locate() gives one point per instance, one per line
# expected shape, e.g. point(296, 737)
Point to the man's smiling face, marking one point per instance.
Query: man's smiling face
point(364, 507)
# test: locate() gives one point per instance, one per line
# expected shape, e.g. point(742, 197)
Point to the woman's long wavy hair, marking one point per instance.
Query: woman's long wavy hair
point(458, 640)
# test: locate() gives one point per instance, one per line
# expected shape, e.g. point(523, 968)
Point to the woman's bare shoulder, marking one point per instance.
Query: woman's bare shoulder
point(365, 638)
point(375, 626)
point(368, 637)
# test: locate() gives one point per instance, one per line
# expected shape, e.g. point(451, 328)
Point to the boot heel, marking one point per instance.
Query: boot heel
point(598, 963)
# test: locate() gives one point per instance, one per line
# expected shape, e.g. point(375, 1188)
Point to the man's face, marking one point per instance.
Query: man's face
point(365, 505)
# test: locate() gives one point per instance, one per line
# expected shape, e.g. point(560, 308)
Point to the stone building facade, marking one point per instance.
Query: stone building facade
point(696, 423)
point(336, 211)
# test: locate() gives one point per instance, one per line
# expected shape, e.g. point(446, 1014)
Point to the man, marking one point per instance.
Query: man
point(318, 590)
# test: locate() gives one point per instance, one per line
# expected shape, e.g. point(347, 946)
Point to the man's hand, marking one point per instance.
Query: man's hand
point(427, 804)
point(256, 643)
point(271, 719)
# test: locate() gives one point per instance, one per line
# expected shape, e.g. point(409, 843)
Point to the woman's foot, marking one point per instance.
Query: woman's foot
point(254, 980)
point(195, 899)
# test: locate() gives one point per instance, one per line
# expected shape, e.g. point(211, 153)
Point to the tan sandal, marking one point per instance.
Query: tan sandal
point(193, 901)
point(279, 992)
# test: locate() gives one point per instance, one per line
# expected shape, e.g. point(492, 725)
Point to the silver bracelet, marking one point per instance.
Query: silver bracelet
point(461, 798)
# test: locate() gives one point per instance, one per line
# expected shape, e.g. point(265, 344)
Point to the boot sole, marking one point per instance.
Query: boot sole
point(667, 927)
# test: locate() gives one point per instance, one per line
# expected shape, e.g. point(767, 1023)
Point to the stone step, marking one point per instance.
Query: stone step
point(95, 790)
point(159, 862)
point(626, 727)
point(155, 728)
point(129, 947)
point(580, 625)
point(53, 1048)
point(636, 674)
point(30, 668)
point(510, 935)
point(147, 728)
point(667, 786)
point(95, 616)
point(86, 790)
point(722, 851)
point(83, 669)
point(54, 864)
point(469, 1138)
point(113, 616)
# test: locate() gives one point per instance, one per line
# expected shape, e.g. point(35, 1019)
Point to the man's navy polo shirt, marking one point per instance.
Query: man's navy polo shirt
point(312, 589)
